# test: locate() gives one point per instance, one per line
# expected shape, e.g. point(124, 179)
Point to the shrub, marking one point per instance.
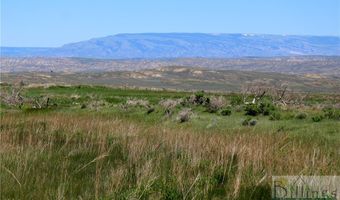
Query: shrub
point(96, 104)
point(184, 115)
point(239, 108)
point(83, 106)
point(332, 113)
point(168, 112)
point(252, 122)
point(246, 121)
point(317, 118)
point(236, 100)
point(150, 110)
point(226, 112)
point(137, 102)
point(252, 110)
point(266, 107)
point(249, 122)
point(275, 116)
point(215, 104)
point(170, 103)
point(301, 116)
point(288, 115)
point(198, 99)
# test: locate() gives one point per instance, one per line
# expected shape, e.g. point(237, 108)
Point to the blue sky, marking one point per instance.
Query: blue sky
point(48, 23)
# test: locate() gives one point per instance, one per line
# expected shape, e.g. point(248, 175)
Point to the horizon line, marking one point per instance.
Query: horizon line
point(205, 33)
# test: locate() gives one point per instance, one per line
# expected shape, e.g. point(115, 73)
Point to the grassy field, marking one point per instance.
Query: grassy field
point(93, 142)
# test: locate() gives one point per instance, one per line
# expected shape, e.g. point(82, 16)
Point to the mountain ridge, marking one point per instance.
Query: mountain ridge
point(179, 45)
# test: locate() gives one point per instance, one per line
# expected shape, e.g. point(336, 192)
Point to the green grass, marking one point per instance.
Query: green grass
point(111, 151)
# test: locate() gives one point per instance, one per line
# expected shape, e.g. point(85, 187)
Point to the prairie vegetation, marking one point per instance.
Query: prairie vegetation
point(104, 143)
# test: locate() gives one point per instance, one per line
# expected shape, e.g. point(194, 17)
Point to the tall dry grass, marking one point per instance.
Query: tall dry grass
point(69, 156)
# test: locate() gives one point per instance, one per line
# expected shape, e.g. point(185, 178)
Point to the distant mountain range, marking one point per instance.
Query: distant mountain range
point(179, 45)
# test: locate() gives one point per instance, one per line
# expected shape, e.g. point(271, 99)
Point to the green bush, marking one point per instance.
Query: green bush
point(200, 99)
point(252, 110)
point(332, 113)
point(236, 100)
point(249, 122)
point(275, 116)
point(246, 121)
point(226, 112)
point(266, 107)
point(288, 115)
point(196, 99)
point(150, 110)
point(211, 108)
point(301, 116)
point(239, 108)
point(317, 118)
point(252, 122)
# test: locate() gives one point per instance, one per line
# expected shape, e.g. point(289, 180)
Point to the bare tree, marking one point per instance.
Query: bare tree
point(257, 90)
point(13, 96)
point(278, 92)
